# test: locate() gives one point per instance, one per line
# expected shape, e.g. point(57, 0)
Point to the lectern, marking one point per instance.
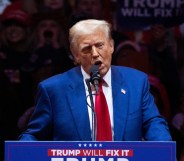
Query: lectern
point(90, 151)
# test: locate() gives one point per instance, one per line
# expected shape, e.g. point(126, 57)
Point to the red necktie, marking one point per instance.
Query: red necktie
point(103, 125)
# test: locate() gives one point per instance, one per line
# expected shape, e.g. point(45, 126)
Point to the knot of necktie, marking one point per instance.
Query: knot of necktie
point(102, 82)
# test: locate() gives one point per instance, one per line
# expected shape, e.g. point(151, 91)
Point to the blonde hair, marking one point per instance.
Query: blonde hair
point(88, 27)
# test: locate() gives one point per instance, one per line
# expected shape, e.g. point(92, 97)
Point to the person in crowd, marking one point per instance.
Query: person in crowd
point(62, 7)
point(24, 118)
point(163, 64)
point(177, 129)
point(15, 83)
point(178, 119)
point(63, 111)
point(15, 48)
point(91, 7)
point(160, 95)
point(162, 50)
point(181, 77)
point(129, 53)
point(49, 56)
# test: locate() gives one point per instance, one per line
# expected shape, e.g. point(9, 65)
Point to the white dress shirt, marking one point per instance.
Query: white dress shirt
point(107, 89)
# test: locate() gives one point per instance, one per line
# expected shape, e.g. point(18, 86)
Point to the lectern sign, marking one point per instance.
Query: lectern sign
point(90, 151)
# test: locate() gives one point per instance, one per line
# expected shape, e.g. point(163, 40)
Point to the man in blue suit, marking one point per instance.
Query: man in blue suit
point(62, 109)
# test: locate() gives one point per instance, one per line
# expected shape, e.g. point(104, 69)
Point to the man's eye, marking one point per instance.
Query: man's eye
point(100, 45)
point(86, 49)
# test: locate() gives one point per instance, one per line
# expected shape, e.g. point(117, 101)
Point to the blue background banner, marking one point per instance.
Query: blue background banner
point(140, 14)
point(90, 151)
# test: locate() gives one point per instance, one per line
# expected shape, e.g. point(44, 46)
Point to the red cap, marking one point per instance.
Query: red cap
point(14, 12)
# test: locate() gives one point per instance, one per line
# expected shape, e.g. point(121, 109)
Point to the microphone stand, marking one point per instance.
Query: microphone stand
point(93, 110)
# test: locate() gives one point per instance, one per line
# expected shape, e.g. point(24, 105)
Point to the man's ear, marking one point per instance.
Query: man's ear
point(75, 56)
point(76, 60)
point(112, 46)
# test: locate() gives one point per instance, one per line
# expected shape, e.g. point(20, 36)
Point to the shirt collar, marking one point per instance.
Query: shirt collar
point(106, 78)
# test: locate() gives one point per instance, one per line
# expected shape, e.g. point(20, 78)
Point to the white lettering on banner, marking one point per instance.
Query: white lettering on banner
point(157, 12)
point(140, 3)
point(125, 152)
point(72, 159)
point(90, 152)
point(136, 12)
point(153, 3)
point(171, 3)
point(56, 159)
point(122, 159)
point(89, 159)
point(152, 8)
point(56, 152)
point(112, 153)
point(163, 13)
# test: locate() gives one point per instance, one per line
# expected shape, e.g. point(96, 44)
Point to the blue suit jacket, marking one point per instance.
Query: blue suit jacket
point(61, 110)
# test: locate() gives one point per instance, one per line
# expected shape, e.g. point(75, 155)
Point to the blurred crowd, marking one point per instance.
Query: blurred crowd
point(34, 46)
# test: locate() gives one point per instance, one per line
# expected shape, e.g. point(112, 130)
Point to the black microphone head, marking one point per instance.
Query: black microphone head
point(93, 69)
point(95, 76)
point(94, 72)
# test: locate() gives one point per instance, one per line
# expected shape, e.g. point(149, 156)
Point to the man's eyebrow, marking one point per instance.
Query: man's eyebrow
point(85, 47)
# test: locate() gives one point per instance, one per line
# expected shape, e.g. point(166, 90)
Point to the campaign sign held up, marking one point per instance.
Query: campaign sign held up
point(89, 151)
point(140, 14)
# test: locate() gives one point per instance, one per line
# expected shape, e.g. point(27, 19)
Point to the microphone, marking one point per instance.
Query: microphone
point(95, 76)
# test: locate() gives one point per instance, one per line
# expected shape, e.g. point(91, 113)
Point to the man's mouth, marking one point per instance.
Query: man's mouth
point(98, 63)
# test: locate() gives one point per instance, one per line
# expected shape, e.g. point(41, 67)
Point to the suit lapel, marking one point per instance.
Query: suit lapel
point(120, 104)
point(77, 99)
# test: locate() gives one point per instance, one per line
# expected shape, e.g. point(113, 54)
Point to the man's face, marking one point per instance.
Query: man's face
point(93, 48)
point(48, 25)
point(15, 33)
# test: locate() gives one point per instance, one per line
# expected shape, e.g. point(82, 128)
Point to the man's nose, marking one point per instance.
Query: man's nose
point(94, 52)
